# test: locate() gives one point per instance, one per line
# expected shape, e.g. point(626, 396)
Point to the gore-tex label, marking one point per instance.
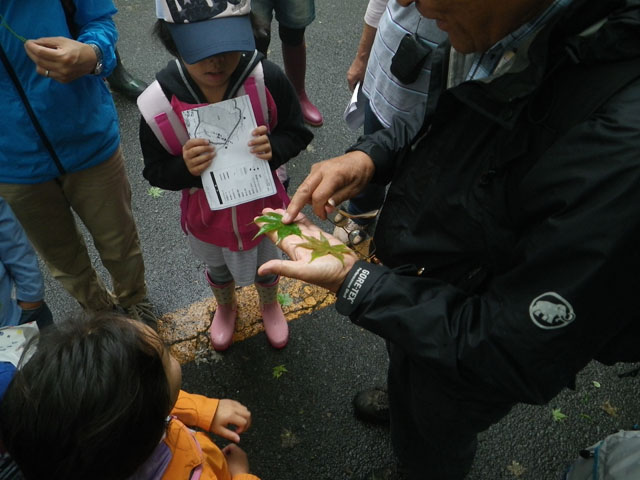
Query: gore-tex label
point(356, 282)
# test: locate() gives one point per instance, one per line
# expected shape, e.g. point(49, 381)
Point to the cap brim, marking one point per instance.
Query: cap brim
point(199, 40)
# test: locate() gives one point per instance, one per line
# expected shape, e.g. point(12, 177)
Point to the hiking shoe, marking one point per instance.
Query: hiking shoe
point(8, 469)
point(372, 405)
point(351, 233)
point(143, 312)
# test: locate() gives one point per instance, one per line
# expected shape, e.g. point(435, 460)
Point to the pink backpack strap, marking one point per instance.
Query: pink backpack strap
point(162, 119)
point(250, 88)
point(264, 108)
point(272, 109)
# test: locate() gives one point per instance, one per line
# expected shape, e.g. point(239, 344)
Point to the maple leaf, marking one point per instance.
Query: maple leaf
point(321, 247)
point(289, 439)
point(610, 409)
point(272, 221)
point(155, 192)
point(516, 468)
point(557, 415)
point(284, 299)
point(279, 370)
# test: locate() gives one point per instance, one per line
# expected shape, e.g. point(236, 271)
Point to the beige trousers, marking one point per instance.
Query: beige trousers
point(101, 197)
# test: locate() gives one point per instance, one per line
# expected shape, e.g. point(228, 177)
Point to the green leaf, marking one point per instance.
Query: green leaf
point(596, 384)
point(586, 417)
point(516, 469)
point(284, 299)
point(272, 221)
point(321, 247)
point(278, 371)
point(155, 192)
point(610, 409)
point(557, 415)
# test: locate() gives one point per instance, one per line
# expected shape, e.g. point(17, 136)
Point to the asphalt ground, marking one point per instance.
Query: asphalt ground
point(300, 397)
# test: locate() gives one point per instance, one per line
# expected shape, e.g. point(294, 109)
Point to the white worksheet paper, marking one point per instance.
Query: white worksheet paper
point(235, 176)
point(13, 341)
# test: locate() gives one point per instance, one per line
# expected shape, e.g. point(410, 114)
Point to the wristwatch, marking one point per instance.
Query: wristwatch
point(99, 66)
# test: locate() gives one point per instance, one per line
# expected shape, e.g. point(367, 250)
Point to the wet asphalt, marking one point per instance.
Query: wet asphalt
point(300, 397)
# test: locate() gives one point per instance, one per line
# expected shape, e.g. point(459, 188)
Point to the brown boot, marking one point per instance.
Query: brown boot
point(295, 65)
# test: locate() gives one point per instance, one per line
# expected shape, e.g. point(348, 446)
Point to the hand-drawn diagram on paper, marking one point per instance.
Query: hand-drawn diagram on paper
point(235, 176)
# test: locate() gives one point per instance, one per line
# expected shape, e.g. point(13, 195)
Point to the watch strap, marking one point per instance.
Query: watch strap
point(99, 66)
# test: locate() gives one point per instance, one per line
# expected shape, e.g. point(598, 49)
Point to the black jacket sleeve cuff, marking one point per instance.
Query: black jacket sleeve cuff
point(359, 281)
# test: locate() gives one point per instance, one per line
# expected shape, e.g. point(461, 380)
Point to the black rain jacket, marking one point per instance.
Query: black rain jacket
point(510, 263)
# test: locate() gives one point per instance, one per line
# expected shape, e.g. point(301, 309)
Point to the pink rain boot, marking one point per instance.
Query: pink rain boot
point(275, 325)
point(295, 66)
point(224, 320)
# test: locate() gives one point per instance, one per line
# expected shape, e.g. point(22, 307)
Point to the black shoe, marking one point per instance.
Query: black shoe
point(122, 82)
point(8, 469)
point(372, 405)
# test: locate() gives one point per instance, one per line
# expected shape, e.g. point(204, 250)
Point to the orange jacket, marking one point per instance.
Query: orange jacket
point(194, 450)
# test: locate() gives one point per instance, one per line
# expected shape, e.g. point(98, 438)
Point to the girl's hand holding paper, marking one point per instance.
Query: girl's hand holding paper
point(260, 144)
point(198, 154)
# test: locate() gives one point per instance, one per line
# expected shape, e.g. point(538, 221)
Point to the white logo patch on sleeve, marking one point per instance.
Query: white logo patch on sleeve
point(550, 310)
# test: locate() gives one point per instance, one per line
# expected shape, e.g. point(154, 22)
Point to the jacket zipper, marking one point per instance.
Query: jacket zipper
point(236, 232)
point(30, 112)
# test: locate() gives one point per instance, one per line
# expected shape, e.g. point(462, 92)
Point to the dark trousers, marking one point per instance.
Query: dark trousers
point(435, 422)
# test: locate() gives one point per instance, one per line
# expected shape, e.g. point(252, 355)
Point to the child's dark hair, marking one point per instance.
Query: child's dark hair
point(90, 402)
point(161, 31)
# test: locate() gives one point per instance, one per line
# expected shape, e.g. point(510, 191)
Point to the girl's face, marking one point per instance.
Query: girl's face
point(214, 72)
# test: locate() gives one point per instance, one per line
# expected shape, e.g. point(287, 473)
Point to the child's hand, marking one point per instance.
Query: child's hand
point(237, 460)
point(234, 413)
point(260, 145)
point(197, 154)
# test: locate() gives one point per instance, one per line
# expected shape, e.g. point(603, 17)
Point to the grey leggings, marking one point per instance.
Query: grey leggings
point(220, 275)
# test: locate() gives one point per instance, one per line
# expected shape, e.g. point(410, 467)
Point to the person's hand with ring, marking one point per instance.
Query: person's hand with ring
point(60, 58)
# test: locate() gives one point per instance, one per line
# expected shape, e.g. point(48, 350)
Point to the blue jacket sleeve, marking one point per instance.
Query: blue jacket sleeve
point(94, 19)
